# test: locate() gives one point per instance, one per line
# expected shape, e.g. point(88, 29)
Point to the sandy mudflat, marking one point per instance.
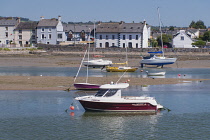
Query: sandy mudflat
point(63, 83)
point(72, 60)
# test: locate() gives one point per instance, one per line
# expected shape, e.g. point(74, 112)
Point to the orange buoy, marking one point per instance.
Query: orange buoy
point(71, 107)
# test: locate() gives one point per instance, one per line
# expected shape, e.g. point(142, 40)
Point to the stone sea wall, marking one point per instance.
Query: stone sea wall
point(79, 48)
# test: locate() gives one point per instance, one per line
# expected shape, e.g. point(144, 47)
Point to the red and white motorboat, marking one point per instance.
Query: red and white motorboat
point(109, 98)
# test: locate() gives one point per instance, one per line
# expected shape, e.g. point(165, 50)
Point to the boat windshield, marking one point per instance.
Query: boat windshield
point(106, 92)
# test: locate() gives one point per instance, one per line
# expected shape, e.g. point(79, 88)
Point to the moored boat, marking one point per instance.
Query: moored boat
point(109, 98)
point(157, 60)
point(120, 69)
point(97, 63)
point(86, 86)
point(156, 73)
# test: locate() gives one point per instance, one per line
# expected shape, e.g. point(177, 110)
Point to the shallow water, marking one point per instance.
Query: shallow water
point(194, 73)
point(46, 114)
point(42, 115)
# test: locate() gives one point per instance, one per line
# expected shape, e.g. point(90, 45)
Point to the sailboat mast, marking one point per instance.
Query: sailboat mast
point(88, 55)
point(161, 34)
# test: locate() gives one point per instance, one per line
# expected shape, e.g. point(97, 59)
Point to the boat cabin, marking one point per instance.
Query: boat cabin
point(109, 93)
point(111, 90)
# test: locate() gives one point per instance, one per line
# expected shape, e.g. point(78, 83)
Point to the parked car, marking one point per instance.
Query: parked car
point(194, 46)
point(165, 46)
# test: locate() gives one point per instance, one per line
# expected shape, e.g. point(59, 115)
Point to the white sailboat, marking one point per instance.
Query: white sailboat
point(153, 59)
point(97, 63)
point(86, 85)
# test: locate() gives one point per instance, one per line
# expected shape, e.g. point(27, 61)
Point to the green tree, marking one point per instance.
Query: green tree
point(199, 43)
point(153, 43)
point(192, 24)
point(171, 28)
point(166, 39)
point(197, 25)
point(206, 36)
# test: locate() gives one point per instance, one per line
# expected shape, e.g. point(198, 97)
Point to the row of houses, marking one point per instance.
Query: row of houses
point(14, 33)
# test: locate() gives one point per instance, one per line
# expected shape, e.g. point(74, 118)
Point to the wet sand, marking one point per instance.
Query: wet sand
point(68, 60)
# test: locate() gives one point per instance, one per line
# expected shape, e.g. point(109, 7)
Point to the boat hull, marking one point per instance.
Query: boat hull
point(158, 62)
point(86, 86)
point(118, 69)
point(156, 74)
point(115, 107)
point(97, 63)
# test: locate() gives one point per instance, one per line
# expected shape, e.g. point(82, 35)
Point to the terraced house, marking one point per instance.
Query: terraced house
point(25, 34)
point(132, 35)
point(7, 26)
point(50, 31)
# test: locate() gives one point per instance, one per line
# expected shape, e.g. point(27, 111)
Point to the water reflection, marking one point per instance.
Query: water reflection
point(195, 73)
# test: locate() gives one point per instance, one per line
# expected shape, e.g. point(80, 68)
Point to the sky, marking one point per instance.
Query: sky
point(179, 13)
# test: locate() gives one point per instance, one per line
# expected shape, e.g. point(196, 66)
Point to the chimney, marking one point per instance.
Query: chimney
point(18, 19)
point(121, 22)
point(59, 18)
point(144, 22)
point(41, 18)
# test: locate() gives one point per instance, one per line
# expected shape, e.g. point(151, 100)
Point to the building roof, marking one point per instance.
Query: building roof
point(78, 27)
point(120, 27)
point(8, 21)
point(48, 22)
point(26, 25)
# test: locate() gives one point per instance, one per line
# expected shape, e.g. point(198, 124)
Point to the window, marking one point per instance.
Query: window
point(42, 36)
point(59, 36)
point(130, 45)
point(136, 45)
point(107, 37)
point(106, 92)
point(130, 37)
point(33, 37)
point(123, 45)
point(20, 31)
point(123, 37)
point(101, 92)
point(101, 45)
point(137, 37)
point(33, 31)
point(113, 37)
point(182, 37)
point(20, 36)
point(42, 30)
point(6, 28)
point(110, 92)
point(113, 44)
point(21, 44)
point(49, 36)
point(49, 30)
point(6, 34)
point(100, 37)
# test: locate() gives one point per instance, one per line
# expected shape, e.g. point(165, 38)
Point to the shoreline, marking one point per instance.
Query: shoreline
point(66, 83)
point(61, 59)
point(73, 59)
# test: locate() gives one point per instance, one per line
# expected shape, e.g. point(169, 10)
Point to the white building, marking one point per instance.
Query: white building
point(132, 35)
point(50, 31)
point(25, 34)
point(182, 40)
point(7, 26)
